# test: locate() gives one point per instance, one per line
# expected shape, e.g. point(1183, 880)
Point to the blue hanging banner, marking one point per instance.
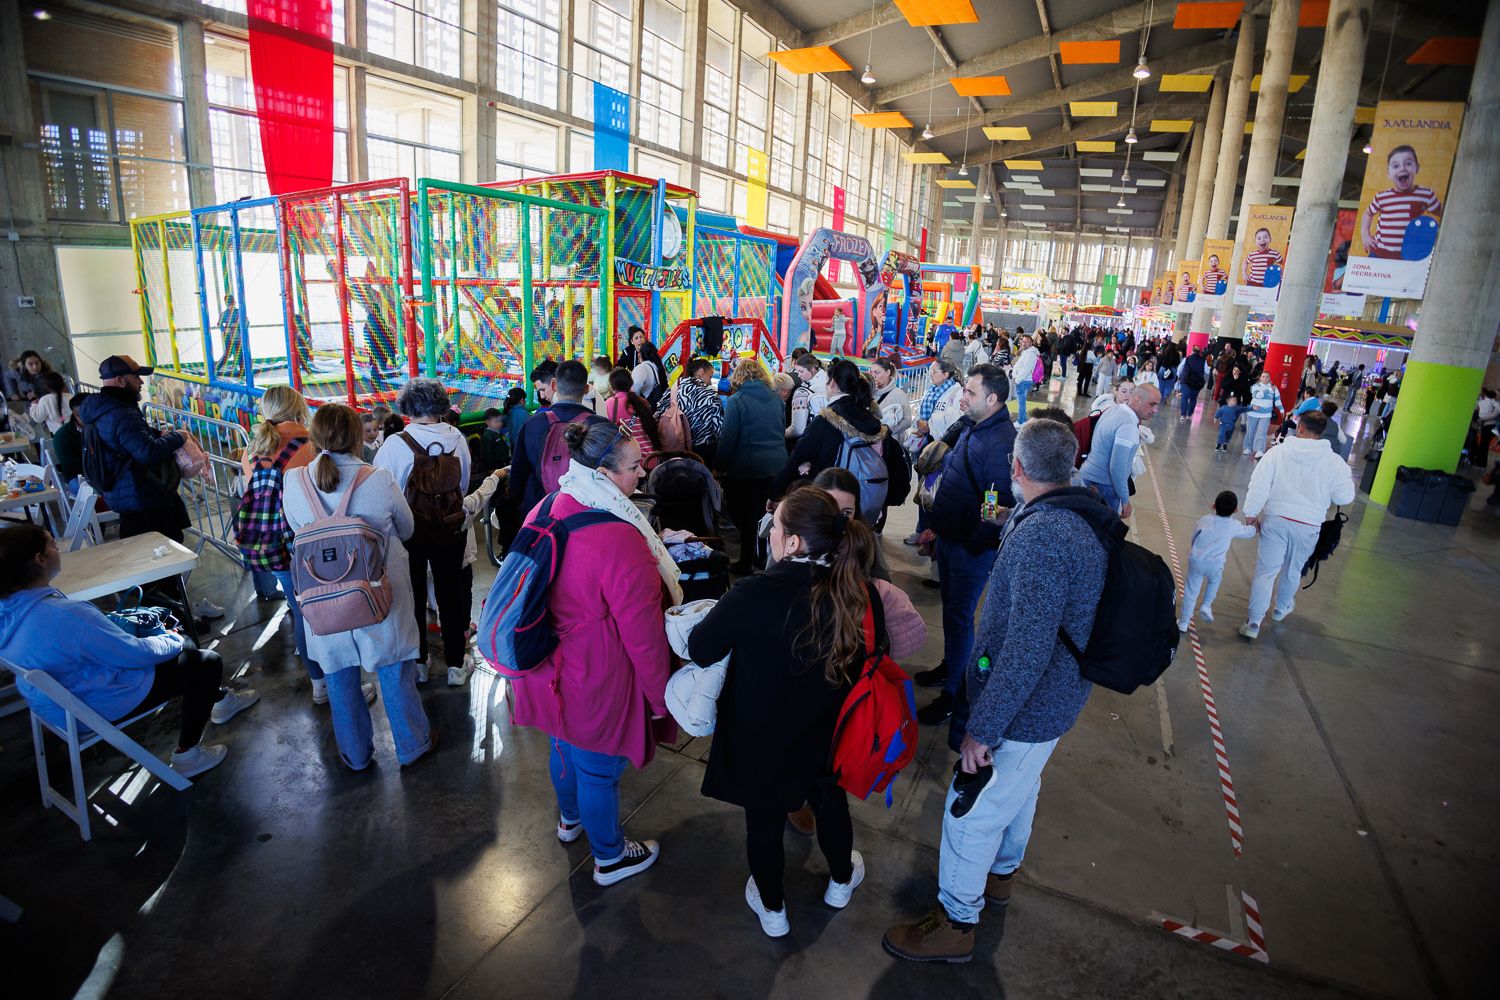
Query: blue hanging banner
point(611, 128)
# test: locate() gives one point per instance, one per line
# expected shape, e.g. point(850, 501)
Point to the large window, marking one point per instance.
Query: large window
point(601, 39)
point(422, 32)
point(412, 132)
point(718, 97)
point(107, 101)
point(753, 111)
point(663, 73)
point(784, 131)
point(658, 166)
point(524, 147)
point(234, 130)
point(238, 6)
point(527, 49)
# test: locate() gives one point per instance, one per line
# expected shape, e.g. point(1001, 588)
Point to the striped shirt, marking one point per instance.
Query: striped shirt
point(1185, 289)
point(1396, 209)
point(702, 407)
point(1211, 279)
point(1257, 262)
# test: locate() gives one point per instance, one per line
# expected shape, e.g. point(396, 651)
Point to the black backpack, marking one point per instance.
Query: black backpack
point(1329, 536)
point(1134, 638)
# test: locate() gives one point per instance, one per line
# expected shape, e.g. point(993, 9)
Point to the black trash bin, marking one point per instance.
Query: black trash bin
point(1455, 492)
point(1372, 466)
point(1407, 493)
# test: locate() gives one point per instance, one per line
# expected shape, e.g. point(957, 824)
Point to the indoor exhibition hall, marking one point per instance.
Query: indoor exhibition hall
point(748, 498)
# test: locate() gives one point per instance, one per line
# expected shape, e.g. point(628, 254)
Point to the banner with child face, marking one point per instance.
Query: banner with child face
point(1262, 261)
point(1168, 290)
point(1213, 276)
point(1401, 205)
point(1185, 286)
point(1336, 301)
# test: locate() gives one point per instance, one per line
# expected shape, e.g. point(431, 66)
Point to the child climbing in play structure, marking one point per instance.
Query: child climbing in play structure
point(232, 364)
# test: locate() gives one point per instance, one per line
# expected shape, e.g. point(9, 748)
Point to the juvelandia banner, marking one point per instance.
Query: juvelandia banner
point(1213, 276)
point(1168, 289)
point(1406, 184)
point(1185, 286)
point(1156, 292)
point(1263, 260)
point(1336, 301)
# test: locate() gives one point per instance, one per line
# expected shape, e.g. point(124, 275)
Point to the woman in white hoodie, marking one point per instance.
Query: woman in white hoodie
point(1023, 374)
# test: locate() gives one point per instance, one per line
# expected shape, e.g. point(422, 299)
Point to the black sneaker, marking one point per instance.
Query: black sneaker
point(936, 677)
point(638, 856)
point(937, 711)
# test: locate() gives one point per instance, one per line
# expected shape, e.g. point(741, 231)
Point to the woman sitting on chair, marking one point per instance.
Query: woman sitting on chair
point(116, 674)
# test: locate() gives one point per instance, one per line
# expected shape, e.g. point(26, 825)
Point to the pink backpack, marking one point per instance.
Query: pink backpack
point(1039, 373)
point(338, 565)
point(555, 453)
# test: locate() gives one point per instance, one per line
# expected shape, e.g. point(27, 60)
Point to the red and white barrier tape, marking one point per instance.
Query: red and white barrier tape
point(1205, 686)
point(1217, 940)
point(1252, 924)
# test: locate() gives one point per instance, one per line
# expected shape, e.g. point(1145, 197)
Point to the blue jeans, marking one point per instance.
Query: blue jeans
point(410, 730)
point(962, 576)
point(588, 791)
point(1255, 431)
point(1188, 400)
point(1168, 383)
point(1022, 388)
point(992, 836)
point(1226, 431)
point(1200, 576)
point(1108, 494)
point(266, 582)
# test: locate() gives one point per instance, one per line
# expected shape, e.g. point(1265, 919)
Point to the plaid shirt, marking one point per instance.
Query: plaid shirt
point(930, 400)
point(702, 407)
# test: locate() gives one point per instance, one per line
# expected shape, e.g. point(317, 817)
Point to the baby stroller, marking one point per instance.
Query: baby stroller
point(685, 496)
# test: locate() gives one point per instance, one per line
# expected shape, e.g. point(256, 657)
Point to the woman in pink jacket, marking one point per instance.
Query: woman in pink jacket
point(601, 695)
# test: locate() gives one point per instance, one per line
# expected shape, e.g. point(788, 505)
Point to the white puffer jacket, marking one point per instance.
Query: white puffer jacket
point(692, 690)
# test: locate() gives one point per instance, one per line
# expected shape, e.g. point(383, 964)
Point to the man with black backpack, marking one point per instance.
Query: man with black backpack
point(541, 453)
point(1024, 685)
point(976, 475)
point(430, 461)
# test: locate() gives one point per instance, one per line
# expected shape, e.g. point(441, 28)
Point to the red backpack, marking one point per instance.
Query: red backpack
point(1083, 432)
point(876, 734)
point(555, 453)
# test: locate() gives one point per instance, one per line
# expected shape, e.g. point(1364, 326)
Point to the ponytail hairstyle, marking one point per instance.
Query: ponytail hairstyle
point(621, 382)
point(596, 444)
point(839, 547)
point(851, 382)
point(281, 403)
point(336, 430)
point(55, 385)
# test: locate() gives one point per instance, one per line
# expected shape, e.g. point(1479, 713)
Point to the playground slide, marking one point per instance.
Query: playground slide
point(786, 249)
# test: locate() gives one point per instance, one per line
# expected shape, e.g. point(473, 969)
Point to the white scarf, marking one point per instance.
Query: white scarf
point(594, 490)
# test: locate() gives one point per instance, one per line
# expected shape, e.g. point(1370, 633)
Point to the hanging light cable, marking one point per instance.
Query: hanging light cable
point(963, 168)
point(927, 129)
point(868, 79)
point(1142, 71)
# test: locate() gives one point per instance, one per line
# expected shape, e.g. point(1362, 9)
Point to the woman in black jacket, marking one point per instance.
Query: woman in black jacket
point(795, 642)
point(850, 414)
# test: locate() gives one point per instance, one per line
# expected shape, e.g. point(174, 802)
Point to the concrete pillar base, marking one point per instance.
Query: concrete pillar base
point(1435, 405)
point(1284, 363)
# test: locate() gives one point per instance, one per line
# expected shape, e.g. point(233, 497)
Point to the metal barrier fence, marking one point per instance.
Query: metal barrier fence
point(914, 380)
point(211, 502)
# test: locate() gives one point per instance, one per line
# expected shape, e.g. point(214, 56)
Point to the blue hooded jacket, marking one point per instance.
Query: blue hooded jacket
point(108, 670)
point(136, 451)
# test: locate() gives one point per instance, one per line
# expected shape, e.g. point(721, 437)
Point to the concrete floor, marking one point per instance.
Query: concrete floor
point(1359, 734)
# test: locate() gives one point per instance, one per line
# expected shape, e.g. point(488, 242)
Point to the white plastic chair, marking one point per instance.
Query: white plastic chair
point(83, 727)
point(82, 527)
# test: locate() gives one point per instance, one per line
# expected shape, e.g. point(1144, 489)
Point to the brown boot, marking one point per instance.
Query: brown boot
point(997, 888)
point(803, 821)
point(934, 938)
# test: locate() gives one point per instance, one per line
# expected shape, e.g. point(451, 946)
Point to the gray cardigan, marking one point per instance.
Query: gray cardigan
point(1050, 572)
point(381, 504)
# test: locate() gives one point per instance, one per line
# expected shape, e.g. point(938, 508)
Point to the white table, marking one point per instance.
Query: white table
point(96, 571)
point(15, 446)
point(49, 500)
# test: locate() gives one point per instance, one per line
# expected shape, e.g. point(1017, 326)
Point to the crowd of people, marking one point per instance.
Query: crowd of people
point(1013, 511)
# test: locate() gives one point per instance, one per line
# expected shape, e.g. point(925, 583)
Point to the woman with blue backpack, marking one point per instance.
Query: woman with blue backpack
point(795, 637)
point(260, 527)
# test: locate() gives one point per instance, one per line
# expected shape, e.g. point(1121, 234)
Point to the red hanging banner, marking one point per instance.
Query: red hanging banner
point(291, 61)
point(838, 225)
point(922, 248)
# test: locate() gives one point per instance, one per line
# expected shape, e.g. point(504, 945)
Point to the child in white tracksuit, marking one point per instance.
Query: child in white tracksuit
point(1211, 540)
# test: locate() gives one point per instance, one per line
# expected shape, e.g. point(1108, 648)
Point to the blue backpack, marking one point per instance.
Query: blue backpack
point(515, 630)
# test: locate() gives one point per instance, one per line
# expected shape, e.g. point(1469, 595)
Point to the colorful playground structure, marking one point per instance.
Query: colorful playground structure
point(348, 291)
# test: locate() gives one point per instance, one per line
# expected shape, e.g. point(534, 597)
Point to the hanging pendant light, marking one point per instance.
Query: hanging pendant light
point(927, 131)
point(1125, 177)
point(868, 79)
point(1141, 71)
point(1121, 202)
point(1369, 149)
point(1130, 137)
point(963, 169)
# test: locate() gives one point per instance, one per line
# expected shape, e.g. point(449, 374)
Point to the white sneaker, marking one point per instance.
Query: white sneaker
point(458, 676)
point(1277, 616)
point(1259, 455)
point(1246, 452)
point(1206, 613)
point(1249, 631)
point(838, 893)
point(199, 759)
point(422, 671)
point(207, 610)
point(1182, 626)
point(569, 832)
point(773, 922)
point(639, 855)
point(232, 704)
point(320, 691)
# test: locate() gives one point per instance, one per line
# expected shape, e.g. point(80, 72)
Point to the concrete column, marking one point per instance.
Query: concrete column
point(981, 185)
point(1227, 167)
point(200, 152)
point(1206, 149)
point(1462, 307)
point(1168, 218)
point(1001, 237)
point(478, 115)
point(1339, 71)
point(359, 135)
point(696, 54)
point(1265, 141)
point(1188, 183)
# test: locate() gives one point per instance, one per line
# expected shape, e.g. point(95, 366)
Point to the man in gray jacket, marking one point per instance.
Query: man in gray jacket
point(1025, 689)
